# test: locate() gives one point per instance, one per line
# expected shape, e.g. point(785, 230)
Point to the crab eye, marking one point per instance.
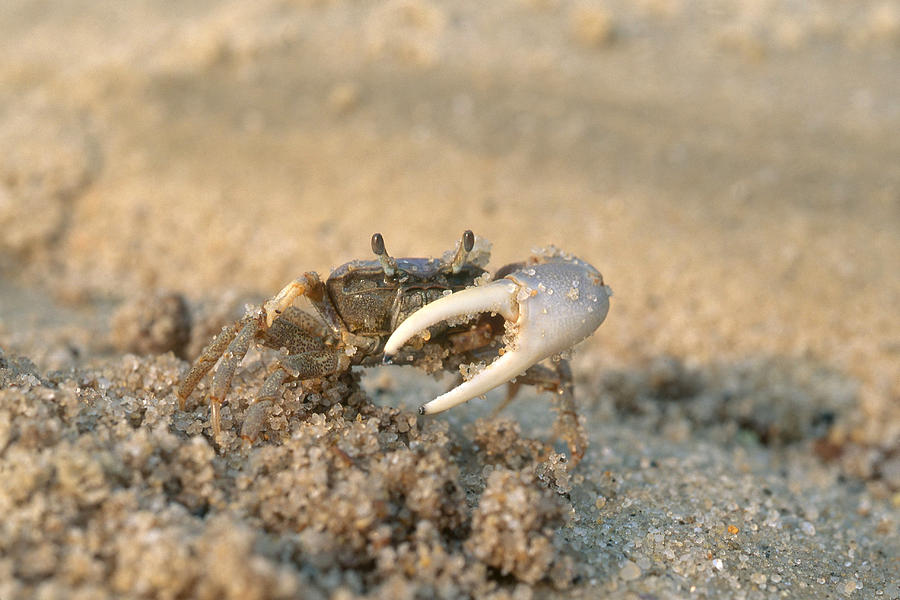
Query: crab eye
point(387, 263)
point(377, 244)
point(468, 240)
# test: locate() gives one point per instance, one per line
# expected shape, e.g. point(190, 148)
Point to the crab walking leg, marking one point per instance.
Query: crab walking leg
point(306, 365)
point(285, 298)
point(567, 421)
point(559, 381)
point(271, 388)
point(256, 414)
point(205, 362)
point(311, 286)
point(544, 378)
point(221, 382)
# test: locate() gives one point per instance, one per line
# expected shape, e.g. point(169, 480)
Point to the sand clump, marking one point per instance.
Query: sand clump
point(513, 527)
point(111, 490)
point(152, 324)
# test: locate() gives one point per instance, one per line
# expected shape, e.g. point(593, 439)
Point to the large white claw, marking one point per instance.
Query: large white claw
point(553, 304)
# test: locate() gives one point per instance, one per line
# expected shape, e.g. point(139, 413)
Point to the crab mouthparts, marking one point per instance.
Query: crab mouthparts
point(548, 318)
point(497, 297)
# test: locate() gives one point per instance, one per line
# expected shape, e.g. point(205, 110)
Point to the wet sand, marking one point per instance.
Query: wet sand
point(730, 170)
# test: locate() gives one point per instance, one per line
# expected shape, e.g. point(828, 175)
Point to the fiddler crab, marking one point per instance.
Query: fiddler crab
point(437, 314)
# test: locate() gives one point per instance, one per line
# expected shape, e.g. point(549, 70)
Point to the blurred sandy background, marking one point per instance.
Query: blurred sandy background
point(731, 167)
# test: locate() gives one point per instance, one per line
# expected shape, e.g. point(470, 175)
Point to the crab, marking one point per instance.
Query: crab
point(437, 314)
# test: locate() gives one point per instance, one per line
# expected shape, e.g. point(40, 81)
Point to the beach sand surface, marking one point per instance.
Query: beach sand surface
point(731, 168)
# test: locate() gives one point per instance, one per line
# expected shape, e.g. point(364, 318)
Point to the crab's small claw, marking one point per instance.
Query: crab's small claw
point(550, 304)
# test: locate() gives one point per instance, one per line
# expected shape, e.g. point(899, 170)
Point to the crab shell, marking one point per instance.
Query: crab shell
point(550, 304)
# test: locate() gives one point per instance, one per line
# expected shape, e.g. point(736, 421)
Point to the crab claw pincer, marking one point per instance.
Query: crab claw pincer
point(550, 304)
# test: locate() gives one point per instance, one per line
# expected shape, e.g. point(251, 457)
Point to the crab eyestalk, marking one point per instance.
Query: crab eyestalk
point(387, 261)
point(552, 306)
point(462, 251)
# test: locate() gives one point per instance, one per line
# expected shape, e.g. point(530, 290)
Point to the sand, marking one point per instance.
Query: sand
point(730, 169)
